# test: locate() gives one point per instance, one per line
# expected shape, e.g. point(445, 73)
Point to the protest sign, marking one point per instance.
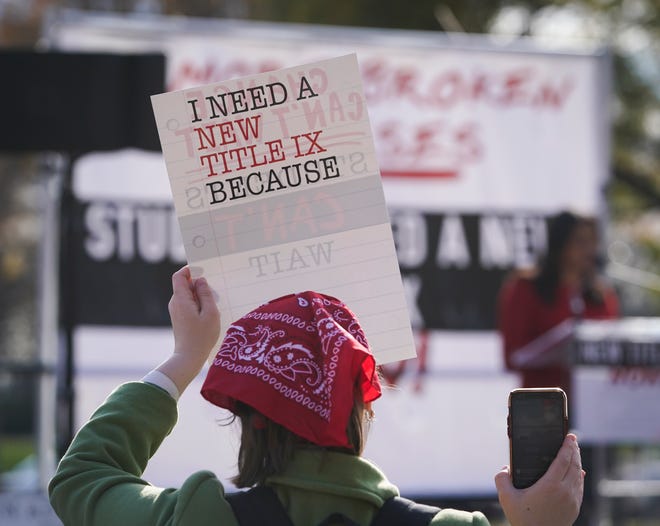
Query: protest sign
point(277, 190)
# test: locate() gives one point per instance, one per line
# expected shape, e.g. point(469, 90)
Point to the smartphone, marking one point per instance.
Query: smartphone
point(537, 426)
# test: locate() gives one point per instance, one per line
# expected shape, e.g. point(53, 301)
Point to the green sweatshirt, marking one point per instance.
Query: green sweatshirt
point(98, 481)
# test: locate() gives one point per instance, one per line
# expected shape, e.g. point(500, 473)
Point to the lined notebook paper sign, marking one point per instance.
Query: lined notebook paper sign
point(277, 190)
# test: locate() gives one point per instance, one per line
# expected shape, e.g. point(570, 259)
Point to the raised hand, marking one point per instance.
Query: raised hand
point(196, 324)
point(554, 500)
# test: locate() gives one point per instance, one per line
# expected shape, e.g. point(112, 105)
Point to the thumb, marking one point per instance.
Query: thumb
point(503, 481)
point(562, 462)
point(181, 285)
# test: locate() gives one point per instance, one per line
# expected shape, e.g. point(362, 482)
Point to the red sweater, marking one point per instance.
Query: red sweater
point(524, 316)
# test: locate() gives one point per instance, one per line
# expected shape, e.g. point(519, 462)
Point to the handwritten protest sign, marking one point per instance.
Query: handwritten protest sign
point(277, 190)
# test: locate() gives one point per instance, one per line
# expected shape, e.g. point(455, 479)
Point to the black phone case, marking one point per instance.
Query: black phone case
point(526, 391)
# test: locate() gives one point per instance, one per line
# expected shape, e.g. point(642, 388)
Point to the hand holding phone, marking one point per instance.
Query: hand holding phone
point(537, 427)
point(554, 500)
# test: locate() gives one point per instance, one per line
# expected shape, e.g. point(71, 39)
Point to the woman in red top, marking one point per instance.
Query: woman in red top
point(537, 309)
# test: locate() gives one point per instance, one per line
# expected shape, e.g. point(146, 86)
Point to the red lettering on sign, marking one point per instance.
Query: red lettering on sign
point(635, 376)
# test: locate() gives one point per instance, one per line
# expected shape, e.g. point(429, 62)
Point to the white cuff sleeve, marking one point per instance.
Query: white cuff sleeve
point(164, 382)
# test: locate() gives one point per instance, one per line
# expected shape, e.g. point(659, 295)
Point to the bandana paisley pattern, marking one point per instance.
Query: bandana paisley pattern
point(296, 359)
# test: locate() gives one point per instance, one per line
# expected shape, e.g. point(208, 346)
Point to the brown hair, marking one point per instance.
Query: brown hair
point(561, 228)
point(267, 447)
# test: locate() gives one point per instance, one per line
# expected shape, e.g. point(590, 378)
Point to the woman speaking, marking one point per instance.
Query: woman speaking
point(538, 309)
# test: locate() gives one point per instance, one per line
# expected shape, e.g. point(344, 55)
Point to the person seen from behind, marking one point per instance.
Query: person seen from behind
point(301, 379)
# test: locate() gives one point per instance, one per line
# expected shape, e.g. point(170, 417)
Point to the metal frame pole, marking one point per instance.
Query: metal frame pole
point(51, 168)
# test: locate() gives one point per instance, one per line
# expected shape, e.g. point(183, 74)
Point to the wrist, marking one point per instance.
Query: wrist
point(163, 381)
point(181, 369)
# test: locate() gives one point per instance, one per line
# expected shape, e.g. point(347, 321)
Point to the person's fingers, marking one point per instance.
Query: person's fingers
point(205, 296)
point(573, 477)
point(562, 462)
point(577, 458)
point(181, 283)
point(575, 474)
point(503, 480)
point(184, 271)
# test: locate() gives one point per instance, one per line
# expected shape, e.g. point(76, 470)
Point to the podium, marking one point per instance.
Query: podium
point(616, 380)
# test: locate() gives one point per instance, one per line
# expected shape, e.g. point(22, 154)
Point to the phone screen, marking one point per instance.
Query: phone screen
point(537, 430)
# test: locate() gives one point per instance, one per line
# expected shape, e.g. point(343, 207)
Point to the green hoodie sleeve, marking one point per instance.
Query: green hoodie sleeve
point(98, 481)
point(459, 518)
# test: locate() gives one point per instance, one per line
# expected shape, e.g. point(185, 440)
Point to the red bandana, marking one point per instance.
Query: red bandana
point(296, 360)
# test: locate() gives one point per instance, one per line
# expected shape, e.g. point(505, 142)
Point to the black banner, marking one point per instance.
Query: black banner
point(78, 102)
point(124, 254)
point(452, 264)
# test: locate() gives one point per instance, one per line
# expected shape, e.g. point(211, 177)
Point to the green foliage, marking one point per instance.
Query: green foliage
point(414, 14)
point(13, 450)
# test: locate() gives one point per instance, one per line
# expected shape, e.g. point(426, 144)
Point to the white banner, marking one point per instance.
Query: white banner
point(476, 126)
point(458, 129)
point(618, 405)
